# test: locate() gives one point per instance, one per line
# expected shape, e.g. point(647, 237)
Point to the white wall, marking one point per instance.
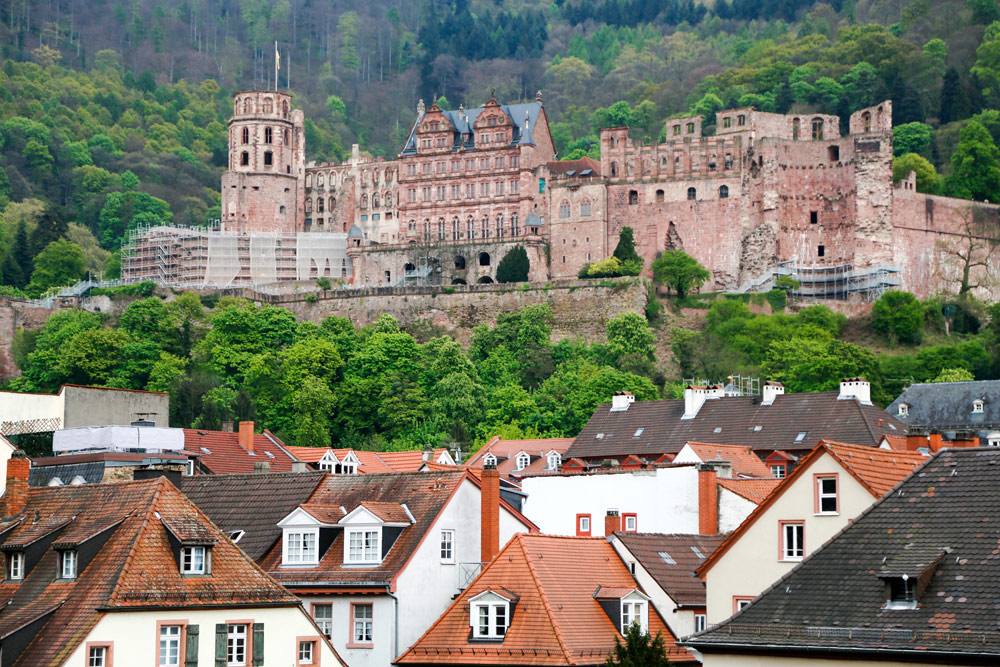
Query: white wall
point(383, 627)
point(136, 642)
point(665, 500)
point(752, 563)
point(15, 407)
point(733, 508)
point(680, 622)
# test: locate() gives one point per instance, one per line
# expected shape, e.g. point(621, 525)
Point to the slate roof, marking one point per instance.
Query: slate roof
point(556, 621)
point(948, 405)
point(252, 503)
point(221, 452)
point(462, 122)
point(91, 471)
point(833, 602)
point(734, 421)
point(754, 490)
point(134, 568)
point(671, 561)
point(744, 462)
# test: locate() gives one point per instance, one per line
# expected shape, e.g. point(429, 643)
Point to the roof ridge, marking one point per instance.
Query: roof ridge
point(133, 548)
point(545, 600)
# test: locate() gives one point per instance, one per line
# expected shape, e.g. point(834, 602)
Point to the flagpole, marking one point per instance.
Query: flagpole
point(276, 56)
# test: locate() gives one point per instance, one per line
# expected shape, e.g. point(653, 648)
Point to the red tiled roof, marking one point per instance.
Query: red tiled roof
point(556, 621)
point(563, 166)
point(742, 458)
point(506, 452)
point(754, 490)
point(225, 455)
point(135, 567)
point(369, 462)
point(388, 512)
point(896, 442)
point(324, 513)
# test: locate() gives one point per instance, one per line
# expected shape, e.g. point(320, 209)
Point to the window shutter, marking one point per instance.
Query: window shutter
point(258, 644)
point(191, 650)
point(220, 644)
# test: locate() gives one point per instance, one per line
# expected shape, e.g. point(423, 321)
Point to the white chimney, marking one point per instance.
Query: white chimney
point(858, 388)
point(771, 391)
point(716, 391)
point(621, 400)
point(694, 398)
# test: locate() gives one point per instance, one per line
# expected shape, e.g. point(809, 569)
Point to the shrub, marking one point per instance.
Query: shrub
point(778, 299)
point(323, 283)
point(514, 266)
point(900, 316)
point(312, 298)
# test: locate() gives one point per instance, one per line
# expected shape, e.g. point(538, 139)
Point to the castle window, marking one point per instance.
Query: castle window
point(246, 135)
point(690, 128)
point(319, 180)
point(427, 229)
point(388, 199)
point(440, 229)
point(795, 129)
point(723, 192)
point(541, 185)
point(375, 200)
point(833, 152)
point(633, 197)
point(319, 205)
point(486, 227)
point(455, 230)
point(287, 138)
point(333, 203)
point(268, 135)
point(867, 117)
point(585, 207)
point(500, 226)
point(741, 120)
point(470, 228)
point(247, 105)
point(729, 161)
point(284, 113)
point(712, 163)
point(817, 129)
point(244, 159)
point(364, 201)
point(484, 259)
point(659, 196)
point(821, 251)
point(309, 180)
point(460, 262)
point(309, 205)
point(677, 130)
point(727, 121)
point(268, 158)
point(515, 225)
point(614, 169)
point(564, 209)
point(692, 194)
point(281, 210)
point(813, 217)
point(268, 105)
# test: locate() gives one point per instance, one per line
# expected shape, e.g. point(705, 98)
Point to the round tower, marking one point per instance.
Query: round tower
point(263, 189)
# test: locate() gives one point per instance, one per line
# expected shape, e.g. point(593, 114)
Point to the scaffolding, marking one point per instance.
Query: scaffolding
point(839, 282)
point(201, 257)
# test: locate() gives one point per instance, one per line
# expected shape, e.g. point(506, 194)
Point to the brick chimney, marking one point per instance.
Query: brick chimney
point(612, 522)
point(935, 440)
point(16, 496)
point(708, 501)
point(489, 539)
point(246, 436)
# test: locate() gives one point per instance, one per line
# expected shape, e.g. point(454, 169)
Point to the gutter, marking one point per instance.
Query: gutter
point(707, 647)
point(395, 627)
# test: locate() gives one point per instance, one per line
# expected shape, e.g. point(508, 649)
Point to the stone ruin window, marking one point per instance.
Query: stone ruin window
point(319, 180)
point(690, 128)
point(440, 229)
point(455, 229)
point(268, 105)
point(284, 110)
point(692, 194)
point(427, 229)
point(633, 197)
point(821, 251)
point(729, 160)
point(484, 259)
point(247, 105)
point(677, 130)
point(309, 180)
point(833, 153)
point(486, 227)
point(515, 225)
point(375, 200)
point(500, 226)
point(281, 210)
point(460, 262)
point(320, 205)
point(741, 120)
point(564, 209)
point(614, 169)
point(470, 228)
point(727, 121)
point(867, 118)
point(659, 197)
point(817, 129)
point(813, 217)
point(712, 163)
point(309, 205)
point(333, 203)
point(723, 192)
point(795, 129)
point(364, 202)
point(287, 138)
point(388, 199)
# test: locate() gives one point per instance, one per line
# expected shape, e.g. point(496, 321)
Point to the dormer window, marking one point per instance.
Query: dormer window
point(15, 565)
point(635, 609)
point(67, 564)
point(901, 593)
point(489, 460)
point(194, 560)
point(300, 547)
point(904, 410)
point(977, 407)
point(364, 546)
point(522, 461)
point(554, 460)
point(489, 616)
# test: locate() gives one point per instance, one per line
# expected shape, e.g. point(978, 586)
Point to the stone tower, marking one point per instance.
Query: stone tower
point(263, 190)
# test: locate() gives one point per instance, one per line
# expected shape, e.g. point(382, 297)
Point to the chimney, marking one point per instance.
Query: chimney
point(300, 466)
point(227, 426)
point(621, 400)
point(489, 539)
point(708, 501)
point(15, 498)
point(261, 466)
point(428, 454)
point(716, 391)
point(771, 391)
point(612, 522)
point(694, 398)
point(246, 436)
point(935, 440)
point(858, 388)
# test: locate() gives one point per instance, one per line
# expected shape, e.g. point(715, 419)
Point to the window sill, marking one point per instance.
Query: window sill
point(826, 513)
point(361, 646)
point(447, 562)
point(797, 559)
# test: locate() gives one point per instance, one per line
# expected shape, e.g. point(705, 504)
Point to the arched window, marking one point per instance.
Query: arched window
point(309, 180)
point(522, 461)
point(515, 225)
point(723, 192)
point(281, 210)
point(484, 259)
point(320, 202)
point(692, 194)
point(455, 229)
point(375, 200)
point(246, 135)
point(564, 208)
point(460, 262)
point(364, 202)
point(867, 118)
point(500, 226)
point(268, 105)
point(319, 180)
point(486, 227)
point(614, 169)
point(375, 176)
point(440, 229)
point(247, 105)
point(427, 229)
point(795, 129)
point(387, 198)
point(309, 205)
point(659, 196)
point(284, 113)
point(333, 204)
point(817, 129)
point(388, 176)
point(633, 197)
point(729, 160)
point(585, 207)
point(470, 228)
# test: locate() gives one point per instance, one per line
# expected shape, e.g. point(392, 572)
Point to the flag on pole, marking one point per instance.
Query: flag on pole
point(277, 57)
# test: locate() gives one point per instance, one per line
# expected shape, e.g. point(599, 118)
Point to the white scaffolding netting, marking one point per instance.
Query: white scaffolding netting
point(319, 255)
point(223, 259)
point(263, 259)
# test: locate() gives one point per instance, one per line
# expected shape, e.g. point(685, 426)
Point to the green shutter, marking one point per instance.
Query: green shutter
point(221, 630)
point(191, 652)
point(258, 644)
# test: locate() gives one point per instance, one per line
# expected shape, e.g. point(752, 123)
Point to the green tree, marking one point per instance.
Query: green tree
point(927, 178)
point(983, 11)
point(61, 263)
point(911, 138)
point(899, 315)
point(514, 266)
point(17, 264)
point(625, 250)
point(630, 334)
point(975, 165)
point(954, 375)
point(986, 69)
point(638, 650)
point(679, 271)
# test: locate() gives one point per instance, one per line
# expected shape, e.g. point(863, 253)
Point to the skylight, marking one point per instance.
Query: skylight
point(599, 436)
point(206, 450)
point(638, 431)
point(801, 436)
point(718, 429)
point(757, 428)
point(667, 558)
point(698, 553)
point(269, 454)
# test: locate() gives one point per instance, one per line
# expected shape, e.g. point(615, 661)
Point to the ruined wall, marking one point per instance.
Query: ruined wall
point(15, 314)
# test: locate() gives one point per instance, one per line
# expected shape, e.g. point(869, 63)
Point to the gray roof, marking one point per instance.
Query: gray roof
point(948, 405)
point(355, 232)
point(463, 121)
point(253, 503)
point(533, 220)
point(92, 471)
point(940, 522)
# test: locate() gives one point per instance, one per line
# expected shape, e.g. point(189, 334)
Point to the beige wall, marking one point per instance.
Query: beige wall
point(752, 563)
point(769, 661)
point(134, 635)
point(94, 406)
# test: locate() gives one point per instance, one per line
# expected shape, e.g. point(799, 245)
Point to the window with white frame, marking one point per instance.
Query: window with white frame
point(631, 523)
point(634, 611)
point(170, 646)
point(489, 460)
point(306, 649)
point(97, 656)
point(364, 545)
point(489, 616)
point(977, 407)
point(778, 470)
point(301, 547)
point(447, 546)
point(699, 622)
point(904, 410)
point(15, 565)
point(741, 603)
point(194, 560)
point(323, 615)
point(826, 495)
point(67, 564)
point(792, 538)
point(522, 461)
point(236, 645)
point(363, 616)
point(554, 460)
point(993, 439)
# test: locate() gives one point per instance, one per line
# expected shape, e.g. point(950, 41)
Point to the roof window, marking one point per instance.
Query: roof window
point(801, 436)
point(757, 428)
point(522, 461)
point(697, 552)
point(717, 429)
point(977, 407)
point(599, 436)
point(904, 410)
point(667, 558)
point(638, 431)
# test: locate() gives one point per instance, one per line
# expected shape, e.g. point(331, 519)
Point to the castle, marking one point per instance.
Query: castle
point(765, 195)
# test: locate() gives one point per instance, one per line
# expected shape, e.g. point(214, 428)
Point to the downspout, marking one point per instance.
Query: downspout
point(395, 626)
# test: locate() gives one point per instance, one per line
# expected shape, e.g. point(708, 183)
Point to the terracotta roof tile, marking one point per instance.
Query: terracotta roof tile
point(369, 462)
point(754, 490)
point(221, 452)
point(388, 511)
point(671, 561)
point(324, 513)
point(556, 620)
point(506, 452)
point(745, 463)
